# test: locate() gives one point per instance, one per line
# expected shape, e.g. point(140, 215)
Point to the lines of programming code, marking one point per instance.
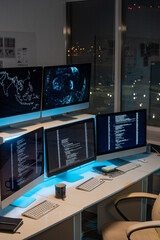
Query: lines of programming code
point(22, 161)
point(25, 160)
point(121, 131)
point(71, 150)
point(72, 144)
point(69, 146)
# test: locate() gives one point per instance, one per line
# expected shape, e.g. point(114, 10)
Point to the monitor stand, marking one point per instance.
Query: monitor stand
point(23, 201)
point(69, 177)
point(64, 117)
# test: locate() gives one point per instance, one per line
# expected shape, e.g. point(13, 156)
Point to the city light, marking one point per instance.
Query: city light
point(134, 6)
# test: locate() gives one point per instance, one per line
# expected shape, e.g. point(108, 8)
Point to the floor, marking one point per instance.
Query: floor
point(89, 226)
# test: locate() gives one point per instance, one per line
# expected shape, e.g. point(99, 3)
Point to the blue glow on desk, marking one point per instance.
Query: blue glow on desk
point(69, 177)
point(72, 175)
point(77, 173)
point(23, 201)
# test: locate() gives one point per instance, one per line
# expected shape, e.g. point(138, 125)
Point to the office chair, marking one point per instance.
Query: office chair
point(132, 230)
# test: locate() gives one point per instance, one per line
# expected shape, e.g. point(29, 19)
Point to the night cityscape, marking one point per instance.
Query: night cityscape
point(140, 59)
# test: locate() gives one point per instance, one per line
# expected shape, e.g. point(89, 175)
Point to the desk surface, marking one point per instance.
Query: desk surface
point(46, 123)
point(85, 199)
point(76, 200)
point(31, 227)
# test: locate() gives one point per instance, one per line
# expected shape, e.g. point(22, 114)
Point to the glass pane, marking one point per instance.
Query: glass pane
point(90, 28)
point(141, 58)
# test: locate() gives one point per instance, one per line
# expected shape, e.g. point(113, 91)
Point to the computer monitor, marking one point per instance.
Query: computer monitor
point(21, 167)
point(65, 89)
point(20, 94)
point(121, 134)
point(68, 146)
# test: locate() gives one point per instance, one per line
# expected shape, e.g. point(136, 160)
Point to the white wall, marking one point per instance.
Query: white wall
point(44, 18)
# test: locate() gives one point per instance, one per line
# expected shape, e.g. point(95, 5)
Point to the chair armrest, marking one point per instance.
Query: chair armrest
point(142, 225)
point(132, 196)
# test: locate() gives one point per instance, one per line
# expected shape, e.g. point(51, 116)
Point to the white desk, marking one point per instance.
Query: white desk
point(32, 227)
point(46, 123)
point(84, 199)
point(75, 203)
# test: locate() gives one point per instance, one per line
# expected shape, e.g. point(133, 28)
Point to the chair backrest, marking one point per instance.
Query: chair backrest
point(156, 211)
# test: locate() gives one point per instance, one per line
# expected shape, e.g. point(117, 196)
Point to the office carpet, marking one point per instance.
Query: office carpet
point(89, 226)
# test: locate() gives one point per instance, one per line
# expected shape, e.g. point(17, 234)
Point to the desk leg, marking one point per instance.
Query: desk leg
point(77, 227)
point(144, 201)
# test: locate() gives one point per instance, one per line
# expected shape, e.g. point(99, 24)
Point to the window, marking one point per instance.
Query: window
point(141, 58)
point(90, 38)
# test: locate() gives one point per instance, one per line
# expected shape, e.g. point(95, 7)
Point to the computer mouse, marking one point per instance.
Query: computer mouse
point(144, 160)
point(107, 178)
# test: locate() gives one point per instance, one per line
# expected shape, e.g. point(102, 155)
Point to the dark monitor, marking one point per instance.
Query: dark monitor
point(68, 146)
point(20, 94)
point(121, 134)
point(21, 166)
point(65, 89)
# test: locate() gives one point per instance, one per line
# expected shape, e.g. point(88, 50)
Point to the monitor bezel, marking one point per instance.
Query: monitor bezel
point(80, 163)
point(108, 155)
point(9, 200)
point(29, 186)
point(67, 108)
point(19, 118)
